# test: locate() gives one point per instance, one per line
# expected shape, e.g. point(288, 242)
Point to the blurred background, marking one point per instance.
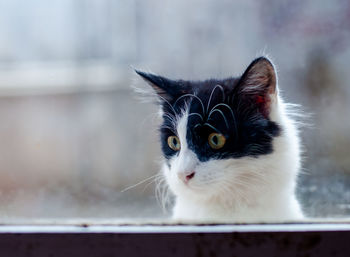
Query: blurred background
point(73, 135)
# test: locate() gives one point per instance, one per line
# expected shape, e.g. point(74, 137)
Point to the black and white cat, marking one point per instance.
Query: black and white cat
point(231, 151)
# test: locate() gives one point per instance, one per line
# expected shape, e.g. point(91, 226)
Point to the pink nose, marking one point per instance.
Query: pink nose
point(186, 176)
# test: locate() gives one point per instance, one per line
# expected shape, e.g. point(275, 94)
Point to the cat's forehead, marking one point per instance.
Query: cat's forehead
point(213, 87)
point(207, 108)
point(204, 94)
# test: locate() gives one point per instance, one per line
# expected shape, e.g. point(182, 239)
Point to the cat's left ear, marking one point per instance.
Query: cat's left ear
point(258, 85)
point(166, 89)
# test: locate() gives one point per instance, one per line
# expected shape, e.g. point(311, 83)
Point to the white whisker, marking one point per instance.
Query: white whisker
point(211, 126)
point(194, 127)
point(211, 95)
point(191, 95)
point(158, 177)
point(225, 105)
point(166, 101)
point(183, 96)
point(162, 193)
point(230, 109)
point(197, 114)
point(217, 110)
point(139, 183)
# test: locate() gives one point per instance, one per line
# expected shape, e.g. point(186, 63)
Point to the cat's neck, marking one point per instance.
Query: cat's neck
point(264, 208)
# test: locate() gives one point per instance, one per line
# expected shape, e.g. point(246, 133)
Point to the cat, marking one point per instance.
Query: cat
point(231, 150)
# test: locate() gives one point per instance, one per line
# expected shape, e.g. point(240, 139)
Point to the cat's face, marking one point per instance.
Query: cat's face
point(215, 132)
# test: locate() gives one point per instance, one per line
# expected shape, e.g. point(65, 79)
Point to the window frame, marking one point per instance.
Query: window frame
point(83, 239)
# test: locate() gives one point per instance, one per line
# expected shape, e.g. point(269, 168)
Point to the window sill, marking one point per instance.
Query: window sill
point(308, 239)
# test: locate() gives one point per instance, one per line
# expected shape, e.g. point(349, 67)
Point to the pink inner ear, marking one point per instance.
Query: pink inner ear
point(260, 99)
point(263, 103)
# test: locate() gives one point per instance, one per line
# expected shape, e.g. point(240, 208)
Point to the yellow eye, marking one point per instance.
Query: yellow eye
point(174, 143)
point(216, 140)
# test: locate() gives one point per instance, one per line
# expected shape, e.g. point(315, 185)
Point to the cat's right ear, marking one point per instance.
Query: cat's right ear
point(165, 89)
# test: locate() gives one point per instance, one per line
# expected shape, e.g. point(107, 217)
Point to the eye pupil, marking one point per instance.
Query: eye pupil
point(174, 143)
point(216, 140)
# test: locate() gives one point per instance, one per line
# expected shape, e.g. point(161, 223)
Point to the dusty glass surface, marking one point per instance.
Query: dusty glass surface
point(73, 136)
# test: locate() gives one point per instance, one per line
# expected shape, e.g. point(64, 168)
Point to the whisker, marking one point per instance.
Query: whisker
point(217, 110)
point(211, 95)
point(166, 101)
point(230, 109)
point(153, 181)
point(139, 183)
point(164, 198)
point(197, 125)
point(158, 191)
point(183, 96)
point(162, 193)
point(211, 126)
point(192, 95)
point(197, 114)
point(225, 105)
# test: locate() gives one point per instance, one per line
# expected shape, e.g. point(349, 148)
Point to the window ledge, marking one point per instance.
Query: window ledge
point(303, 239)
point(128, 228)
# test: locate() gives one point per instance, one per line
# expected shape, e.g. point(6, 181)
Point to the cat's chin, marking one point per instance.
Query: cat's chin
point(190, 190)
point(209, 193)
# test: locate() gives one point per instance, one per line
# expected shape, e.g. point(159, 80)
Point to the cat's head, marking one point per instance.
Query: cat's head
point(217, 135)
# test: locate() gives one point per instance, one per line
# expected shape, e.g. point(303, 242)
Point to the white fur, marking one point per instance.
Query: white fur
point(239, 190)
